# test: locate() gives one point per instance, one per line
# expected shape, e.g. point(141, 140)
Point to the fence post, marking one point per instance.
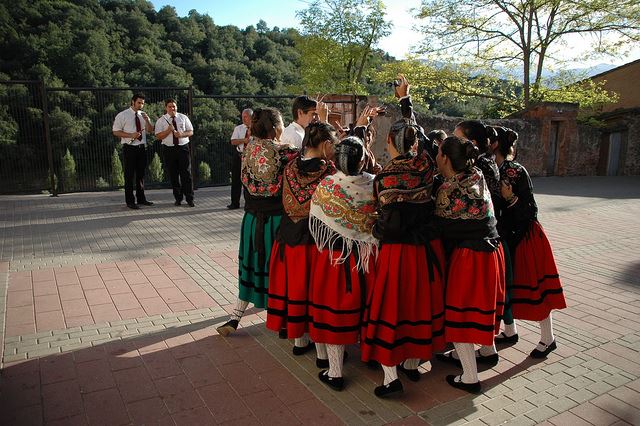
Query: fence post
point(47, 137)
point(192, 146)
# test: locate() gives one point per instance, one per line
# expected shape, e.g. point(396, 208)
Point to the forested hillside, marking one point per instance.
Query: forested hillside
point(128, 43)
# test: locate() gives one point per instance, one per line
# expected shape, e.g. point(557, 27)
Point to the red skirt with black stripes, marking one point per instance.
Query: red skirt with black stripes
point(289, 275)
point(536, 287)
point(404, 313)
point(336, 298)
point(474, 296)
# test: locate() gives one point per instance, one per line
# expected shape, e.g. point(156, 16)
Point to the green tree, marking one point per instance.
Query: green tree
point(337, 42)
point(524, 34)
point(156, 174)
point(68, 172)
point(117, 174)
point(204, 171)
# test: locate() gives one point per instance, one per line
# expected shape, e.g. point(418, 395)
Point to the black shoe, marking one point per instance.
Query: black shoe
point(133, 206)
point(324, 363)
point(413, 375)
point(335, 383)
point(177, 203)
point(491, 360)
point(543, 354)
point(233, 206)
point(503, 339)
point(282, 334)
point(469, 387)
point(227, 328)
point(145, 203)
point(191, 203)
point(301, 350)
point(391, 388)
point(448, 358)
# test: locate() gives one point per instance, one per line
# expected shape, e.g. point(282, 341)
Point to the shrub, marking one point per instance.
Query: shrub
point(101, 183)
point(156, 174)
point(68, 172)
point(204, 171)
point(117, 174)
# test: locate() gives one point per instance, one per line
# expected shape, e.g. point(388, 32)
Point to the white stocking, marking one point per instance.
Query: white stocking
point(321, 350)
point(239, 309)
point(390, 374)
point(510, 329)
point(546, 331)
point(336, 357)
point(411, 363)
point(468, 359)
point(303, 341)
point(486, 350)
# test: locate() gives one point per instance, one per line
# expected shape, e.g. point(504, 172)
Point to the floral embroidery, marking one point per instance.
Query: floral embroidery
point(464, 196)
point(298, 187)
point(262, 163)
point(407, 178)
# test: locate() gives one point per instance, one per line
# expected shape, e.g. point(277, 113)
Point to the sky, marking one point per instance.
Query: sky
point(282, 14)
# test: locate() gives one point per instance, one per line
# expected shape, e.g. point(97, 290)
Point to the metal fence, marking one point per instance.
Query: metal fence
point(60, 140)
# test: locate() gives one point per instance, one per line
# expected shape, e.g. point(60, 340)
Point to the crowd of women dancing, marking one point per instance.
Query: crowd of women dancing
point(439, 246)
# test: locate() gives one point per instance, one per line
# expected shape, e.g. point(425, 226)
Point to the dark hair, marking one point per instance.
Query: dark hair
point(170, 101)
point(462, 153)
point(506, 140)
point(349, 155)
point(315, 133)
point(404, 134)
point(474, 130)
point(437, 135)
point(492, 134)
point(304, 103)
point(264, 121)
point(137, 96)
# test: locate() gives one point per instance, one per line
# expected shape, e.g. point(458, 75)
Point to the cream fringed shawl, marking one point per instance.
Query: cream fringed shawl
point(342, 215)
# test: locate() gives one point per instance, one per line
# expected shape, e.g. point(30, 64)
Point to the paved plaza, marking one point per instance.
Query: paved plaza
point(108, 316)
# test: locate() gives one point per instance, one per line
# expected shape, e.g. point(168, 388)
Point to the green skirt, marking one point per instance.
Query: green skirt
point(253, 275)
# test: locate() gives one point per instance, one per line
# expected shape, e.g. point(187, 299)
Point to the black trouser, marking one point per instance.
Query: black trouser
point(236, 183)
point(178, 162)
point(135, 163)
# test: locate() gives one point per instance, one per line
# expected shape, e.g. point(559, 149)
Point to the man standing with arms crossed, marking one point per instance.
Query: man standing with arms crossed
point(128, 126)
point(175, 129)
point(239, 140)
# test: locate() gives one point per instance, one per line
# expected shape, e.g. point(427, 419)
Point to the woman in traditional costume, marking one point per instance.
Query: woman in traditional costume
point(466, 219)
point(403, 319)
point(263, 161)
point(536, 289)
point(294, 250)
point(341, 218)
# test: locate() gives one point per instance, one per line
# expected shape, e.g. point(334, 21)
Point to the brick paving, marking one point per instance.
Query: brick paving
point(107, 316)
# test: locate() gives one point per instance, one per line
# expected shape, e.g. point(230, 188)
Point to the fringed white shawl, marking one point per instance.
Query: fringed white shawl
point(343, 212)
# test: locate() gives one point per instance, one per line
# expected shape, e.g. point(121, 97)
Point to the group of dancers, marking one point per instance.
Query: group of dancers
point(440, 245)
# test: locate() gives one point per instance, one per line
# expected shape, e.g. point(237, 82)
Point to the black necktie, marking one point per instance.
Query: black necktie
point(175, 128)
point(138, 127)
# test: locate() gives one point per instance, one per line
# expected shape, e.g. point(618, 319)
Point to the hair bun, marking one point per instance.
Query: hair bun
point(471, 153)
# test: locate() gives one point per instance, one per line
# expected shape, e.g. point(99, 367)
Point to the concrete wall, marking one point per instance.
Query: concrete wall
point(624, 81)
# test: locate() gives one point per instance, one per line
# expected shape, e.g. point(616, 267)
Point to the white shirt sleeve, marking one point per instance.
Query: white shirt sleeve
point(187, 123)
point(161, 125)
point(118, 122)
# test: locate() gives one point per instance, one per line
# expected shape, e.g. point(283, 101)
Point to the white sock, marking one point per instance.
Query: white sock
point(301, 342)
point(411, 363)
point(452, 353)
point(510, 329)
point(486, 350)
point(546, 332)
point(336, 358)
point(239, 309)
point(321, 350)
point(390, 374)
point(468, 360)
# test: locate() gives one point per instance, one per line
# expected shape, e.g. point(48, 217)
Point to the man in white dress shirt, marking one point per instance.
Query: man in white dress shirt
point(239, 139)
point(304, 111)
point(175, 129)
point(128, 126)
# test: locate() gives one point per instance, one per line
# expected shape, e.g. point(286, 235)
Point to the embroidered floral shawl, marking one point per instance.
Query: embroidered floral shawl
point(300, 181)
point(263, 161)
point(342, 212)
point(407, 178)
point(464, 196)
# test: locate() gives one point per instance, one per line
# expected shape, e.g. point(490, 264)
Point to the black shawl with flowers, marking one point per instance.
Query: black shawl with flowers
point(514, 219)
point(403, 193)
point(464, 212)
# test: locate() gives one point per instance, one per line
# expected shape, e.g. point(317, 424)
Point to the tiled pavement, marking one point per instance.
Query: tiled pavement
point(108, 315)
